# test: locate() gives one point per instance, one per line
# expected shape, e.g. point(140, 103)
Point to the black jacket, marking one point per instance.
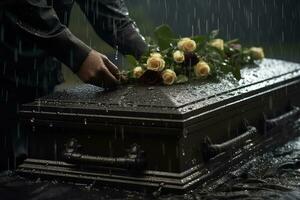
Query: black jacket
point(32, 31)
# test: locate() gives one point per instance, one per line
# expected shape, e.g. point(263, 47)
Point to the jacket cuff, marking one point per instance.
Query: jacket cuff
point(131, 42)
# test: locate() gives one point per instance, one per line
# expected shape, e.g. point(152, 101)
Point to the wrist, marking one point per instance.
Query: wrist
point(84, 73)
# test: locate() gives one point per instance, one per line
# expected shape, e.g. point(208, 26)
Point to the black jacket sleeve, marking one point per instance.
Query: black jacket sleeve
point(39, 22)
point(110, 19)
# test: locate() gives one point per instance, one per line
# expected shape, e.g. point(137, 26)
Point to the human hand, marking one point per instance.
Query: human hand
point(98, 70)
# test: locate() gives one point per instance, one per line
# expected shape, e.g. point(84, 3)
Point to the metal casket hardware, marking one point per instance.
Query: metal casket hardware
point(282, 119)
point(134, 159)
point(210, 150)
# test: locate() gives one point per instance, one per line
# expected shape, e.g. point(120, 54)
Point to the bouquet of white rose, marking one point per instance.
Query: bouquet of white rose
point(173, 60)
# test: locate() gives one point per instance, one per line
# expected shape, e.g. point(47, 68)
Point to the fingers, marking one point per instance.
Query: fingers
point(112, 68)
point(98, 70)
point(109, 80)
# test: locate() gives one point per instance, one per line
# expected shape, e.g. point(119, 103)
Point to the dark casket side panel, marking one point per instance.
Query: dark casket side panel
point(109, 141)
point(170, 124)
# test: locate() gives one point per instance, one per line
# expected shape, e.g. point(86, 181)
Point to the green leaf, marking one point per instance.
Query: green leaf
point(132, 61)
point(164, 31)
point(199, 39)
point(182, 79)
point(164, 36)
point(164, 43)
point(234, 41)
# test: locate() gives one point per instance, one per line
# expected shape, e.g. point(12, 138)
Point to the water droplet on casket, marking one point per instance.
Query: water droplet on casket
point(32, 120)
point(117, 52)
point(183, 152)
point(194, 161)
point(50, 125)
point(39, 103)
point(85, 121)
point(185, 133)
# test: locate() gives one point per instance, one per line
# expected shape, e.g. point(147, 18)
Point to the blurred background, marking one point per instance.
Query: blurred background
point(272, 24)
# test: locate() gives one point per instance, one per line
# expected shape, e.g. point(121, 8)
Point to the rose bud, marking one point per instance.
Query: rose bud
point(169, 77)
point(257, 53)
point(217, 43)
point(178, 56)
point(202, 69)
point(155, 62)
point(138, 72)
point(191, 59)
point(187, 45)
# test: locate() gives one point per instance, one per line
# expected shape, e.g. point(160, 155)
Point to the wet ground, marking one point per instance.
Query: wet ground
point(272, 175)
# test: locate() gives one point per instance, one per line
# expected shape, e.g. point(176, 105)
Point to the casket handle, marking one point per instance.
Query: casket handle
point(282, 119)
point(134, 159)
point(210, 150)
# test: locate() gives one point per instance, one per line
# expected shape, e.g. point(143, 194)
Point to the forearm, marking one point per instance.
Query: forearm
point(68, 49)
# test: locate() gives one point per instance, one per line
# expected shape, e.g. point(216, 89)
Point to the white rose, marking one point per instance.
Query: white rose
point(257, 53)
point(155, 62)
point(217, 43)
point(202, 69)
point(187, 45)
point(178, 56)
point(138, 72)
point(169, 77)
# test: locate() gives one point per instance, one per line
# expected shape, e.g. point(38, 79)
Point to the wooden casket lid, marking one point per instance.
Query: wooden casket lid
point(160, 105)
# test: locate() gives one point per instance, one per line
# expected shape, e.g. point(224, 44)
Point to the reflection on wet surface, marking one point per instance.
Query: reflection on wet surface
point(272, 175)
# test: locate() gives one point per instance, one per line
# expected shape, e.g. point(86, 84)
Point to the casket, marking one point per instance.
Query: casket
point(175, 137)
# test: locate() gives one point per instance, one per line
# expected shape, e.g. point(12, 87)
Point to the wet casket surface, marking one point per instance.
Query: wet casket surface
point(177, 136)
